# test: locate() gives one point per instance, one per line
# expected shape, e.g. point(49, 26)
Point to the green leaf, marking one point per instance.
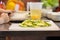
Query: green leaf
point(51, 3)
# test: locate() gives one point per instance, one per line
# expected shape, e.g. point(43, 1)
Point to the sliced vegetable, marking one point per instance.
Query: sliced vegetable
point(34, 23)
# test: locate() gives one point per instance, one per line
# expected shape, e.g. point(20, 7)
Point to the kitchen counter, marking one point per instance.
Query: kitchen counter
point(5, 27)
point(27, 35)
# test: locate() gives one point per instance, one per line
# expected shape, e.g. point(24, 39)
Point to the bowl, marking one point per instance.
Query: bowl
point(19, 16)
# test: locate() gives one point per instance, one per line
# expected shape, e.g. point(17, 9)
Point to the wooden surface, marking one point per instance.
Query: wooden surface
point(35, 35)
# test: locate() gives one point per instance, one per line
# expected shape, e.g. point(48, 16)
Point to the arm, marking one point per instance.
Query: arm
point(5, 11)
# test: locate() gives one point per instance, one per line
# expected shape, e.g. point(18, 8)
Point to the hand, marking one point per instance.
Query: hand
point(9, 11)
point(5, 17)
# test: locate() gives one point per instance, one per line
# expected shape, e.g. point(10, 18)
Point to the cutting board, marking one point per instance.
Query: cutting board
point(16, 27)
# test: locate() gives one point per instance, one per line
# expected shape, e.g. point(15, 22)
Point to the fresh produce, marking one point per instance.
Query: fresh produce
point(50, 3)
point(12, 3)
point(10, 6)
point(21, 5)
point(34, 23)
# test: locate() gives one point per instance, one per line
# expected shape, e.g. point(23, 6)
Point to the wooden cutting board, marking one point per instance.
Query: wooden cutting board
point(16, 27)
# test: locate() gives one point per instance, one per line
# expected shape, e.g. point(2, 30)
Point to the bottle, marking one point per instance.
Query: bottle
point(57, 9)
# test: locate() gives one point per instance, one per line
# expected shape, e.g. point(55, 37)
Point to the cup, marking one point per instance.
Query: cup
point(35, 10)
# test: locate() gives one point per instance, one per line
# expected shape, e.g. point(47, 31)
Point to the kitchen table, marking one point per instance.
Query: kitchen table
point(26, 35)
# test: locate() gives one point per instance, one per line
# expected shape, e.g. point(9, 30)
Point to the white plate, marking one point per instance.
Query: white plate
point(16, 27)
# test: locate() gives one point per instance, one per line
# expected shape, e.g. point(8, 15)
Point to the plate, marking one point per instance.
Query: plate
point(16, 27)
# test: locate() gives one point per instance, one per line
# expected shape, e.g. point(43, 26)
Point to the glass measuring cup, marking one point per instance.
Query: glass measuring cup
point(35, 10)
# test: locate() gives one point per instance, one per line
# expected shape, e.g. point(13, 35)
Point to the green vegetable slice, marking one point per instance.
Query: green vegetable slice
point(34, 23)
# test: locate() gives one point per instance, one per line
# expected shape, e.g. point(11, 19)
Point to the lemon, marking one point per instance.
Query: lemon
point(10, 6)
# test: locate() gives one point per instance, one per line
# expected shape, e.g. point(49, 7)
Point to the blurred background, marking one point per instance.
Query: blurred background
point(25, 1)
point(47, 3)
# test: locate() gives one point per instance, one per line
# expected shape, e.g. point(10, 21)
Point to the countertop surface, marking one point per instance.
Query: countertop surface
point(5, 27)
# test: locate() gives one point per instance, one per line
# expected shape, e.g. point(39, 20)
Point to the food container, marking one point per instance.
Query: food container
point(35, 9)
point(55, 16)
point(19, 16)
point(46, 12)
point(49, 15)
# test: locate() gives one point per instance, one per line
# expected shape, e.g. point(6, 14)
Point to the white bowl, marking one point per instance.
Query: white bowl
point(20, 15)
